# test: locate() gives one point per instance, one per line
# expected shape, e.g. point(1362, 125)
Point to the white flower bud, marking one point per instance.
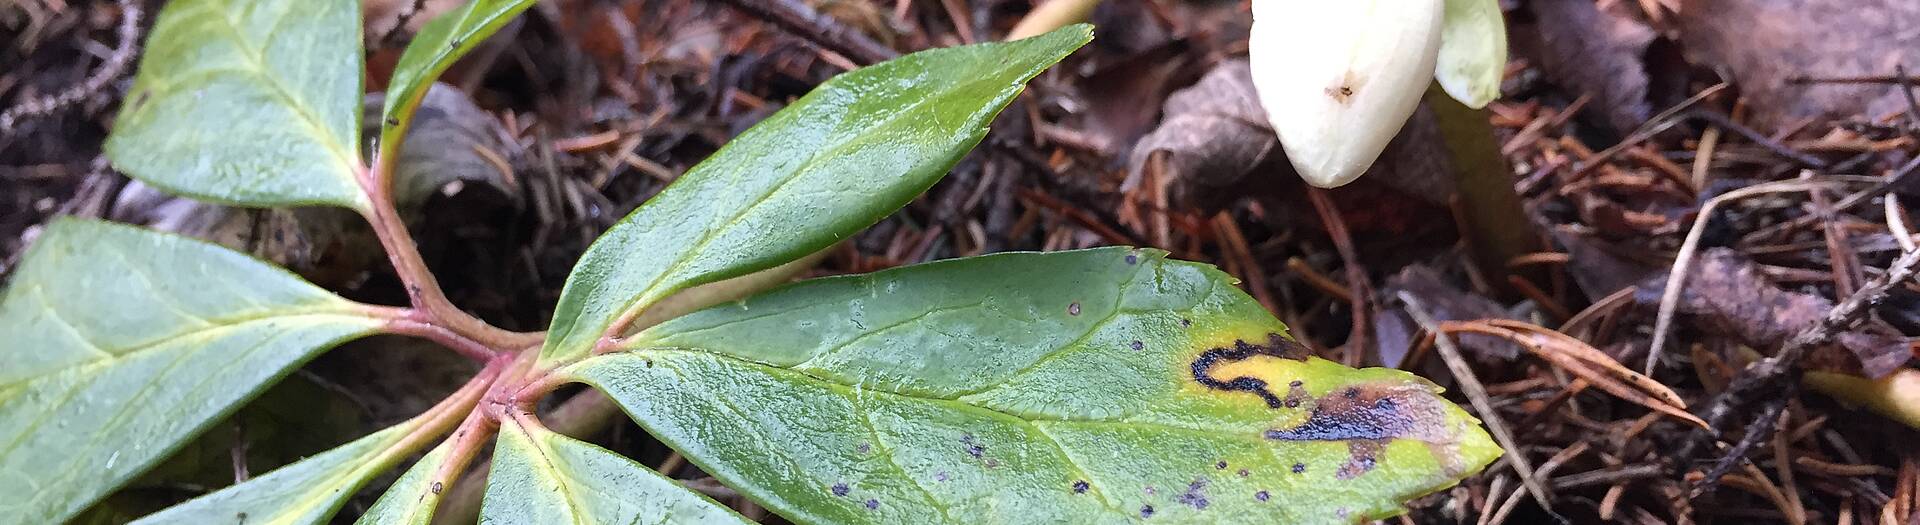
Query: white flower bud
point(1339, 77)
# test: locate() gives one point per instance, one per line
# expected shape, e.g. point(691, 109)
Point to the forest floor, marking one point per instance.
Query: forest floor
point(1758, 154)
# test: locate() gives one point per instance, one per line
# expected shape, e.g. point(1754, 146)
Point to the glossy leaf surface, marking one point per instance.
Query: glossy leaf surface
point(849, 153)
point(247, 102)
point(439, 43)
point(1473, 51)
point(542, 477)
point(1094, 386)
point(123, 343)
point(308, 492)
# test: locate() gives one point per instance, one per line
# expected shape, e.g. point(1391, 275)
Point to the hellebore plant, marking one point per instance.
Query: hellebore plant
point(1339, 78)
point(1101, 385)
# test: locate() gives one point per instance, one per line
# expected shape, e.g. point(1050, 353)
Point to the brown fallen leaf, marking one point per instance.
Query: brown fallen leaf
point(452, 140)
point(1583, 361)
point(1446, 303)
point(1766, 44)
point(1600, 268)
point(1594, 51)
point(1728, 295)
point(1115, 118)
point(1214, 135)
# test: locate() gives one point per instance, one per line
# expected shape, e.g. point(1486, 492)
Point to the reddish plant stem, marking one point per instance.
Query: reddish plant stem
point(423, 291)
point(466, 442)
point(437, 420)
point(410, 322)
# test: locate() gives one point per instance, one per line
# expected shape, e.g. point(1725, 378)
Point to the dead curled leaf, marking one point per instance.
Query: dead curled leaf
point(1599, 51)
point(1727, 294)
point(1214, 135)
point(1445, 303)
point(330, 245)
point(1765, 44)
point(1583, 361)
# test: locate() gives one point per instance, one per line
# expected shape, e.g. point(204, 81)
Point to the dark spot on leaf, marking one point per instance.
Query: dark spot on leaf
point(940, 476)
point(1137, 346)
point(991, 463)
point(1133, 259)
point(1242, 350)
point(1221, 465)
point(1296, 383)
point(973, 448)
point(1243, 473)
point(1299, 468)
point(1080, 487)
point(392, 121)
point(436, 487)
point(840, 489)
point(863, 448)
point(455, 44)
point(1073, 309)
point(1408, 411)
point(1186, 323)
point(1260, 496)
point(1363, 457)
point(1195, 496)
point(1146, 511)
point(873, 504)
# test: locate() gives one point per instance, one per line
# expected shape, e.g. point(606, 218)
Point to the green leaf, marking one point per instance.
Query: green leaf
point(543, 477)
point(439, 43)
point(1473, 51)
point(248, 102)
point(124, 343)
point(1093, 386)
point(308, 492)
point(311, 491)
point(854, 150)
point(413, 498)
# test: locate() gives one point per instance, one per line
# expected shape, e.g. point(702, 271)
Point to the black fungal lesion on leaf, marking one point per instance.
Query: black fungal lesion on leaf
point(1277, 346)
point(1196, 494)
point(1367, 418)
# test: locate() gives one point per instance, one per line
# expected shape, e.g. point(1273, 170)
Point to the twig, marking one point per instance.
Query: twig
point(1658, 125)
point(1477, 395)
point(1360, 291)
point(116, 64)
point(1776, 378)
point(797, 18)
point(1683, 261)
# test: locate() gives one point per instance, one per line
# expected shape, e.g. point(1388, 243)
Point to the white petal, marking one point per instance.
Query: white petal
point(1339, 77)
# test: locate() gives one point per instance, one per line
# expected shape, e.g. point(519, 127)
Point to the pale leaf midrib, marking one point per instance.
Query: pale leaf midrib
point(649, 293)
point(318, 315)
point(315, 127)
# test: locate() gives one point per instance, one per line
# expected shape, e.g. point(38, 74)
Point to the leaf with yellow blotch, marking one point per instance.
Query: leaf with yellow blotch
point(1103, 384)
